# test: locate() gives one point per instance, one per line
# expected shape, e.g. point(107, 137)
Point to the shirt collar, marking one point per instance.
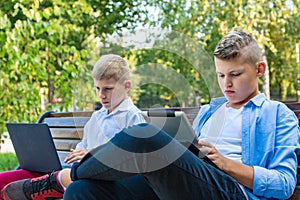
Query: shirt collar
point(257, 100)
point(123, 106)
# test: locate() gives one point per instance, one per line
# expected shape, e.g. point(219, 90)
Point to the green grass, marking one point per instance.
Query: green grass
point(8, 161)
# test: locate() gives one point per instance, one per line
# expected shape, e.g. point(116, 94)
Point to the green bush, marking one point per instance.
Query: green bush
point(8, 161)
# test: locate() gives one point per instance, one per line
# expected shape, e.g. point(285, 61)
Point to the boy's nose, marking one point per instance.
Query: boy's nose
point(101, 95)
point(228, 82)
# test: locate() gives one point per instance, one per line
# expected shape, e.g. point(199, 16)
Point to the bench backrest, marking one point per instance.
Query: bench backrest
point(67, 130)
point(296, 108)
point(67, 127)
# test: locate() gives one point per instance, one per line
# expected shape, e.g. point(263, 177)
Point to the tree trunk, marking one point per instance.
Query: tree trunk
point(298, 72)
point(266, 77)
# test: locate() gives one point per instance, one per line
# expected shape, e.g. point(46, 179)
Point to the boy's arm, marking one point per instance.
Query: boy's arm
point(83, 143)
point(244, 174)
point(82, 147)
point(87, 132)
point(278, 178)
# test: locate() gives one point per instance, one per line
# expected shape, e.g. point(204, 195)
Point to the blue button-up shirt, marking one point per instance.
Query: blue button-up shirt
point(270, 142)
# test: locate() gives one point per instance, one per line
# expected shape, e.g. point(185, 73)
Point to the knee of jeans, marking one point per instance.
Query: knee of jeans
point(69, 192)
point(72, 193)
point(142, 138)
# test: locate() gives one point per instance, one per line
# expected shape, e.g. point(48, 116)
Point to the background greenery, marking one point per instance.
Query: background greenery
point(8, 161)
point(48, 48)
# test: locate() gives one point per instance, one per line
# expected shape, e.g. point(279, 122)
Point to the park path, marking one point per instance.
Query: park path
point(7, 145)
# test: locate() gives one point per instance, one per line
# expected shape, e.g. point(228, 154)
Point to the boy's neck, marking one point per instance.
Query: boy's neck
point(240, 104)
point(111, 110)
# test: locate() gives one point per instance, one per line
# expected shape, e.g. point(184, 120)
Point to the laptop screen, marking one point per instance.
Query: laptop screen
point(34, 146)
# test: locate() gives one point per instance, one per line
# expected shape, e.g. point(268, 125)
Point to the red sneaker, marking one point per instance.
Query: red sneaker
point(41, 188)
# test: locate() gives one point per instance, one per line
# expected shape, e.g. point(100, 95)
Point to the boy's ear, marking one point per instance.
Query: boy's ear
point(261, 68)
point(127, 84)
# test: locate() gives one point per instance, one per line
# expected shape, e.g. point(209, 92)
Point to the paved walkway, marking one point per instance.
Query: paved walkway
point(7, 145)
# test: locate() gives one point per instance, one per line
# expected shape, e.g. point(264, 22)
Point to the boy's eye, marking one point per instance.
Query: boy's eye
point(108, 89)
point(221, 75)
point(236, 74)
point(104, 89)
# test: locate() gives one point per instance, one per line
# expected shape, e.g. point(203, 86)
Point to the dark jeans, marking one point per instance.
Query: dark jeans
point(143, 162)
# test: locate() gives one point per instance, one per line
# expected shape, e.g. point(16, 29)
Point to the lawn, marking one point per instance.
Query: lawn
point(8, 161)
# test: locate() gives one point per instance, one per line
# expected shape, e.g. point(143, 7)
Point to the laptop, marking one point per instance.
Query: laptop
point(34, 147)
point(177, 125)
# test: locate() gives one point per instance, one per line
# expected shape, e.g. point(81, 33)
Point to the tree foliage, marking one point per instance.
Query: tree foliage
point(272, 23)
point(45, 49)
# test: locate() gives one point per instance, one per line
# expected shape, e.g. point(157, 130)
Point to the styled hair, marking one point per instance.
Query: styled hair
point(238, 44)
point(111, 66)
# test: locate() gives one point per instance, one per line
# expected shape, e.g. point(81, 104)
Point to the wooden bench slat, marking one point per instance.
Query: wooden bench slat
point(71, 114)
point(70, 133)
point(62, 155)
point(65, 145)
point(296, 195)
point(297, 113)
point(293, 105)
point(66, 121)
point(298, 173)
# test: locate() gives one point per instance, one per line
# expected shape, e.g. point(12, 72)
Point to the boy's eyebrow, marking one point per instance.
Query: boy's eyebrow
point(236, 70)
point(105, 86)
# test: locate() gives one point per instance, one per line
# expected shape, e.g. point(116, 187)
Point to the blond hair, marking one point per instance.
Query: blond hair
point(238, 44)
point(111, 66)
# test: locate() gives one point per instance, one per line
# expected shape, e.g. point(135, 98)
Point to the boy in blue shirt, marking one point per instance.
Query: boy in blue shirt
point(254, 147)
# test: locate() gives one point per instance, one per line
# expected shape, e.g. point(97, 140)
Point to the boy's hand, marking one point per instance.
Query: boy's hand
point(244, 174)
point(212, 153)
point(75, 155)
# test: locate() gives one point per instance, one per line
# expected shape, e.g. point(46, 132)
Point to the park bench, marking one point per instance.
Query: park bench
point(67, 130)
point(67, 127)
point(296, 108)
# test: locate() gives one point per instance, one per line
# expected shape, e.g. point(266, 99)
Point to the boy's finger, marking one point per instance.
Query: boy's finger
point(204, 143)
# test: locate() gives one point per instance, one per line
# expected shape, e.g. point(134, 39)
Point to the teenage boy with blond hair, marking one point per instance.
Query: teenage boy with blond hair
point(112, 83)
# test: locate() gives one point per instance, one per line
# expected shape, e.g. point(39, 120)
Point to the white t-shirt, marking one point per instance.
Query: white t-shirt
point(229, 141)
point(230, 134)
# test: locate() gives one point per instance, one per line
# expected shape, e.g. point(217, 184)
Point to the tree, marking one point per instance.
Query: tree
point(272, 23)
point(46, 46)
